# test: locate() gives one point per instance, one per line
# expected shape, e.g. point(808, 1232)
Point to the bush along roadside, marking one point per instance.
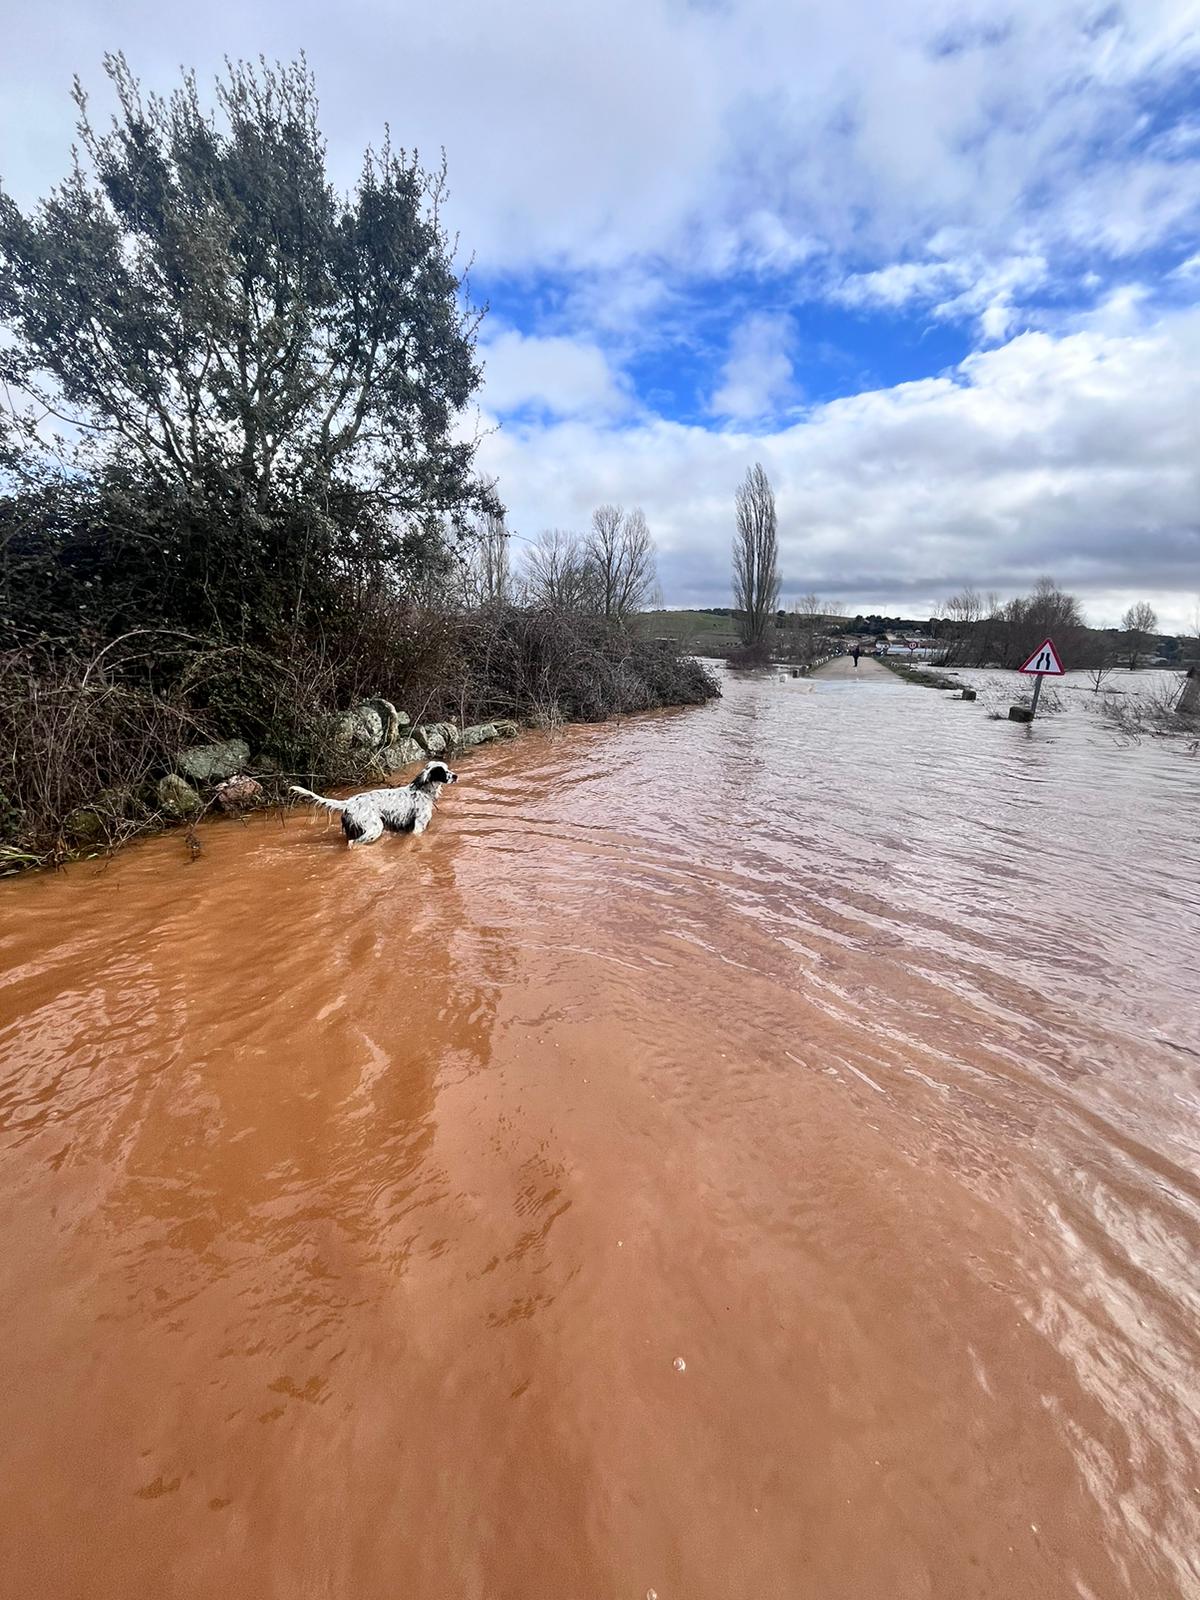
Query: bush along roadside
point(921, 676)
point(150, 732)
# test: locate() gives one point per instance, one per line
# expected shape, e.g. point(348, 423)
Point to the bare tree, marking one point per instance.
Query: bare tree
point(1189, 696)
point(1101, 666)
point(756, 557)
point(964, 608)
point(961, 616)
point(989, 628)
point(486, 577)
point(621, 553)
point(1048, 612)
point(557, 574)
point(811, 613)
point(1139, 624)
point(494, 573)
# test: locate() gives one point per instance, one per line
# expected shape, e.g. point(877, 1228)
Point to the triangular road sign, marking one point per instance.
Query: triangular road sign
point(1044, 662)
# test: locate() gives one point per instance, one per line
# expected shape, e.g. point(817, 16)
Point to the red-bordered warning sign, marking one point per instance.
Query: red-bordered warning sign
point(1044, 662)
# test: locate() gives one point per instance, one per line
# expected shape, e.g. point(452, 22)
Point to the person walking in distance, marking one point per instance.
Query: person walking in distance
point(855, 653)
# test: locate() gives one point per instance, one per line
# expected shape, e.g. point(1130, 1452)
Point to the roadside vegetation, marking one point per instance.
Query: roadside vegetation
point(922, 676)
point(1164, 709)
point(237, 492)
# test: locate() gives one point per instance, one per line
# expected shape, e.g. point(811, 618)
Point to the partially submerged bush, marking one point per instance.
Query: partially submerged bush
point(1152, 710)
point(749, 655)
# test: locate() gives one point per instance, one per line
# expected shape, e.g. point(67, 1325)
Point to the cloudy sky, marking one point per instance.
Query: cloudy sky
point(936, 263)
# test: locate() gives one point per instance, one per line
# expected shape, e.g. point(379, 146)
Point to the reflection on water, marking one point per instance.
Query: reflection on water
point(832, 1040)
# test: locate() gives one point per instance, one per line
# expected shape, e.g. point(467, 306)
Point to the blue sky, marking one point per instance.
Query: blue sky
point(936, 264)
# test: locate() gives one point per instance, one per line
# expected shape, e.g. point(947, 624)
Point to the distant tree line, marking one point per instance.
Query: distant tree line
point(973, 629)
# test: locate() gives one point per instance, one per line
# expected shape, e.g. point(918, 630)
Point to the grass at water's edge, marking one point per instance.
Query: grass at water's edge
point(923, 676)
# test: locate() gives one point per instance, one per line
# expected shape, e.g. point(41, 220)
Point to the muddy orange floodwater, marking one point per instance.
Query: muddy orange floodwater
point(745, 1152)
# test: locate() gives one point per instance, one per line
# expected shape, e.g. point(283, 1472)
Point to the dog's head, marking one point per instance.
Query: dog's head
point(433, 774)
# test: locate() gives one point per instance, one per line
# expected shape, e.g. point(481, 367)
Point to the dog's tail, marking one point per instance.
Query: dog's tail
point(319, 799)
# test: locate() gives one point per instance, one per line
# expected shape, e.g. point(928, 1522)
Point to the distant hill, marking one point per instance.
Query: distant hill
point(696, 628)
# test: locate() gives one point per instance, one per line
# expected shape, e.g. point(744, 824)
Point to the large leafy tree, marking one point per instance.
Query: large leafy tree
point(282, 366)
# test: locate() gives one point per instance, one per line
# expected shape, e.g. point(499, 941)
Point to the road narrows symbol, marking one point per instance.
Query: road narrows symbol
point(1044, 662)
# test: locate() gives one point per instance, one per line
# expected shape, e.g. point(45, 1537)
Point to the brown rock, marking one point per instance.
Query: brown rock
point(239, 793)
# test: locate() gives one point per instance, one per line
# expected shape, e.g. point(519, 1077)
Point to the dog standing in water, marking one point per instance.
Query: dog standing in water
point(404, 810)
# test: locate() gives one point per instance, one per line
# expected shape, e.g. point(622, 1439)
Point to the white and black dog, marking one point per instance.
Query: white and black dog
point(403, 810)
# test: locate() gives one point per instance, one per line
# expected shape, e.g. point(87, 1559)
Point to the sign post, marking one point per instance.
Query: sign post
point(1043, 663)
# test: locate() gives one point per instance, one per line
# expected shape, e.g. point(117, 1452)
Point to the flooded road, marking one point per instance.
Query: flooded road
point(748, 1152)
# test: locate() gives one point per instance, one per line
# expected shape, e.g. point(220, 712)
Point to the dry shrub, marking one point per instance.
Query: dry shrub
point(80, 750)
point(1152, 710)
point(85, 739)
point(549, 666)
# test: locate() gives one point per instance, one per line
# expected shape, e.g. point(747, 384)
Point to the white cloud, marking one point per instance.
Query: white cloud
point(959, 288)
point(757, 376)
point(898, 285)
point(709, 136)
point(1124, 207)
point(1073, 455)
point(1121, 311)
point(560, 376)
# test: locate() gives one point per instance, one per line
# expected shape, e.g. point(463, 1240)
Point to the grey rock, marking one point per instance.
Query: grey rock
point(389, 719)
point(84, 826)
point(479, 733)
point(437, 737)
point(506, 728)
point(401, 754)
point(369, 726)
point(208, 763)
point(177, 797)
point(367, 729)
